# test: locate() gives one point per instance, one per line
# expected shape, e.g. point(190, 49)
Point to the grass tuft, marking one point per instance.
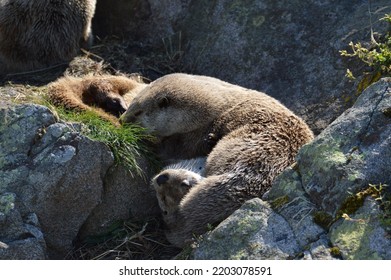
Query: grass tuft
point(127, 142)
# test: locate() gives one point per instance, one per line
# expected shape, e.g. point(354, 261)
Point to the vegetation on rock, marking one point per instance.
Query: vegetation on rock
point(377, 56)
point(127, 142)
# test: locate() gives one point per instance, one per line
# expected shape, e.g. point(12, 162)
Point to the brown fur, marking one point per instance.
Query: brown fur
point(39, 33)
point(254, 138)
point(107, 95)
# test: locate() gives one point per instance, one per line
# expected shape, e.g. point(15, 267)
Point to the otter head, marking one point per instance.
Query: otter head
point(114, 105)
point(167, 107)
point(171, 186)
point(101, 93)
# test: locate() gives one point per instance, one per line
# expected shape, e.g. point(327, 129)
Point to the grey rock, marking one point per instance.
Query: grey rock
point(125, 196)
point(69, 182)
point(136, 18)
point(349, 155)
point(19, 238)
point(362, 236)
point(319, 250)
point(290, 200)
point(25, 249)
point(254, 231)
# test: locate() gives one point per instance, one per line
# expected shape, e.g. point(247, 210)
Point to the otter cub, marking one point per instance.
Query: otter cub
point(175, 181)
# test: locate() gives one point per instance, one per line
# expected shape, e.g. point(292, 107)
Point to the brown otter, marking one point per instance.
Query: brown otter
point(256, 139)
point(107, 95)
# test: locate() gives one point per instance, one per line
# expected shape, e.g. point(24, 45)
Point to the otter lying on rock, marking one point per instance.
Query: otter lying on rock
point(107, 95)
point(254, 138)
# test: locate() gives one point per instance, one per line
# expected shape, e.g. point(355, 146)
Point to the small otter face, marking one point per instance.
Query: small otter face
point(171, 186)
point(114, 105)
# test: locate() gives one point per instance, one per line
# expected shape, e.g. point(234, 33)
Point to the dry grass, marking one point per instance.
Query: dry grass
point(127, 241)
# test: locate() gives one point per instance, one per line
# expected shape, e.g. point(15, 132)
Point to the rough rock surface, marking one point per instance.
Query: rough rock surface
point(289, 49)
point(346, 158)
point(19, 238)
point(254, 231)
point(362, 235)
point(133, 19)
point(63, 178)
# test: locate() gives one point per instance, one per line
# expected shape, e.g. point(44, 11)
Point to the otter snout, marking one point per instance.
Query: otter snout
point(127, 118)
point(130, 117)
point(115, 107)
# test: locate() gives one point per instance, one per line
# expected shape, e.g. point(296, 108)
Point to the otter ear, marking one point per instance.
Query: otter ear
point(185, 184)
point(163, 102)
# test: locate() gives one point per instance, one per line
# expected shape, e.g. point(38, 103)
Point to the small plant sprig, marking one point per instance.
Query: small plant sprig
point(378, 57)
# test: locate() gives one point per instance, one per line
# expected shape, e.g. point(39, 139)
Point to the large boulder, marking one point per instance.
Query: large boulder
point(67, 180)
point(289, 49)
point(335, 202)
point(254, 231)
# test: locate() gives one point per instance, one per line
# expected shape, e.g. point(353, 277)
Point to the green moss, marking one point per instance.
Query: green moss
point(335, 252)
point(322, 219)
point(377, 192)
point(325, 157)
point(246, 225)
point(258, 20)
point(353, 238)
point(355, 201)
point(279, 201)
point(385, 205)
point(7, 203)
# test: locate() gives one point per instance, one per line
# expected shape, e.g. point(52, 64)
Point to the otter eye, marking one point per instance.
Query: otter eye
point(138, 113)
point(163, 102)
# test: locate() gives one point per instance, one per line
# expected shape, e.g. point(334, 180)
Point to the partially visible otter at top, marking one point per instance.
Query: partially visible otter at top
point(39, 33)
point(248, 137)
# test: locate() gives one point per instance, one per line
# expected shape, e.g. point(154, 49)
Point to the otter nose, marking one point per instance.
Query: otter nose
point(126, 118)
point(162, 179)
